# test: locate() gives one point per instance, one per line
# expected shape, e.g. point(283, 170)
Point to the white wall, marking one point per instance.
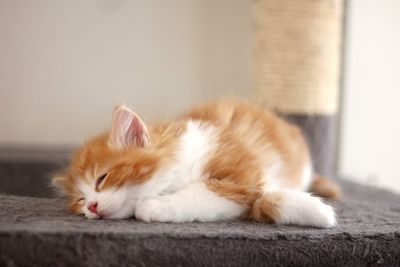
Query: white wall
point(370, 143)
point(64, 65)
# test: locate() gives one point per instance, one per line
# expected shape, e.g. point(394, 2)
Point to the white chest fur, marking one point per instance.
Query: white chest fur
point(189, 160)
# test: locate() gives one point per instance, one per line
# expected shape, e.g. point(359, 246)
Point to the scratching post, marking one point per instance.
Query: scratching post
point(297, 60)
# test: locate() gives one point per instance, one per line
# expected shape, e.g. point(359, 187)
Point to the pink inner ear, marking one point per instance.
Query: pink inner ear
point(136, 128)
point(139, 131)
point(128, 129)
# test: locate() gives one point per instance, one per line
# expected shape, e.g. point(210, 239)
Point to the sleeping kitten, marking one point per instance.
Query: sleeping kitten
point(220, 161)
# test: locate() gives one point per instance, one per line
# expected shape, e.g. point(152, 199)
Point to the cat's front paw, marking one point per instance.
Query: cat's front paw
point(154, 210)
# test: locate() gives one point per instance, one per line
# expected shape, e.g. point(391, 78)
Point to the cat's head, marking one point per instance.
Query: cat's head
point(104, 173)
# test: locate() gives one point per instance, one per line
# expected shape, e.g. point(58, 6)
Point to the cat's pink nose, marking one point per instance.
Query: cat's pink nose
point(93, 207)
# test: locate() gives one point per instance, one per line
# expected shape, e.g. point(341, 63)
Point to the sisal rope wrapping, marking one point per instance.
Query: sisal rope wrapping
point(297, 55)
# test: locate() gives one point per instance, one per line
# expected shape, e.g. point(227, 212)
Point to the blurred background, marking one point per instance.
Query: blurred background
point(64, 66)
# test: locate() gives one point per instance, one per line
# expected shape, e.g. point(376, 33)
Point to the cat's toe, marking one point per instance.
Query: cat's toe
point(145, 210)
point(152, 210)
point(326, 217)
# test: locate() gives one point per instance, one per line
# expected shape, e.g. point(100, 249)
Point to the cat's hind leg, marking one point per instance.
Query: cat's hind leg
point(294, 207)
point(195, 202)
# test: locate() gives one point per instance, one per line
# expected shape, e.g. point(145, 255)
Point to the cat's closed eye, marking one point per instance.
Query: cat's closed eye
point(99, 182)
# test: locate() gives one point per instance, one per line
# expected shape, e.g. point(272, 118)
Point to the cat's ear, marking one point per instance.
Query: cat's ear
point(127, 129)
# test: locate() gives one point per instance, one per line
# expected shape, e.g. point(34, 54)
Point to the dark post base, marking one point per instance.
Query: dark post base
point(320, 133)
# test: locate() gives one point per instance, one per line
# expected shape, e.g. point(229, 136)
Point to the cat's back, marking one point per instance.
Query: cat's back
point(278, 145)
point(249, 122)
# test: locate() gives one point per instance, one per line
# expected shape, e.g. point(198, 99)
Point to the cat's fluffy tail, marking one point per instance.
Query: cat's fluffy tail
point(325, 187)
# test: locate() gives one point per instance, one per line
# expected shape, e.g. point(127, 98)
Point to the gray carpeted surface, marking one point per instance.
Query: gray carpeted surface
point(37, 232)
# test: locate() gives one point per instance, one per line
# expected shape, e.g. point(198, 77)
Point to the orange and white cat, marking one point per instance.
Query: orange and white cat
point(221, 161)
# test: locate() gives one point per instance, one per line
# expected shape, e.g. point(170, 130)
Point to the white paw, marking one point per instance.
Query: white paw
point(153, 210)
point(324, 216)
point(303, 209)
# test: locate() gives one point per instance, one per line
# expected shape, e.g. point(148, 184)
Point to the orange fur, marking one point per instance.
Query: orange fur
point(266, 208)
point(262, 133)
point(325, 188)
point(129, 166)
point(249, 139)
